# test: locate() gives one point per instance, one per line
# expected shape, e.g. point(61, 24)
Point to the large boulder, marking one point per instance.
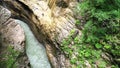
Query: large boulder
point(12, 42)
point(12, 34)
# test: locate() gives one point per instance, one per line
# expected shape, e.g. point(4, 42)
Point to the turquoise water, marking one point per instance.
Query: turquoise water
point(35, 51)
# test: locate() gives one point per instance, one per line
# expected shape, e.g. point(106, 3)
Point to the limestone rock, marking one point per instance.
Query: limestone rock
point(49, 22)
point(4, 14)
point(13, 34)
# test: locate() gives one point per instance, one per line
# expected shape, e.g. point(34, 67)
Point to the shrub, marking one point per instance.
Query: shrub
point(101, 33)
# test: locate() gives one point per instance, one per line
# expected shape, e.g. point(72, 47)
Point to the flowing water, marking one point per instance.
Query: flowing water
point(35, 51)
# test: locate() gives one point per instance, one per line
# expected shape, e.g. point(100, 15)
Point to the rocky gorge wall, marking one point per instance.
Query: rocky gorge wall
point(50, 23)
point(12, 42)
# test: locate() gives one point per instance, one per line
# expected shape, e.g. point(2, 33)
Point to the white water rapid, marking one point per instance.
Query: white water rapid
point(35, 51)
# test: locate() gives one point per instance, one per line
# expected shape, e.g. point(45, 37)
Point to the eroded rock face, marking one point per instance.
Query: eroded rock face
point(4, 14)
point(11, 35)
point(51, 22)
point(11, 32)
point(47, 21)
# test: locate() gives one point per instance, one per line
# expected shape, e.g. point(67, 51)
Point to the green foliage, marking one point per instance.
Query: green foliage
point(77, 22)
point(78, 53)
point(9, 58)
point(102, 28)
point(97, 45)
point(101, 33)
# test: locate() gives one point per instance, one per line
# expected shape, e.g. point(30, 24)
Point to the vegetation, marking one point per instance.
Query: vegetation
point(101, 34)
point(9, 58)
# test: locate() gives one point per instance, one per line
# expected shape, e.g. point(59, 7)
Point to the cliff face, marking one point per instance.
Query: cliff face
point(51, 21)
point(12, 41)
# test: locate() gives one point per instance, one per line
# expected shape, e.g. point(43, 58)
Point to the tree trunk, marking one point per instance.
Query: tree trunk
point(50, 24)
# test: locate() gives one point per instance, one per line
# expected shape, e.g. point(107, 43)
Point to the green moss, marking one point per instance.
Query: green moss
point(9, 58)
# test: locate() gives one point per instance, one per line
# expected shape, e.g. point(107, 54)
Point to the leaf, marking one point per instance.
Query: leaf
point(73, 60)
point(88, 24)
point(98, 46)
point(107, 46)
point(77, 22)
point(100, 1)
point(87, 54)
